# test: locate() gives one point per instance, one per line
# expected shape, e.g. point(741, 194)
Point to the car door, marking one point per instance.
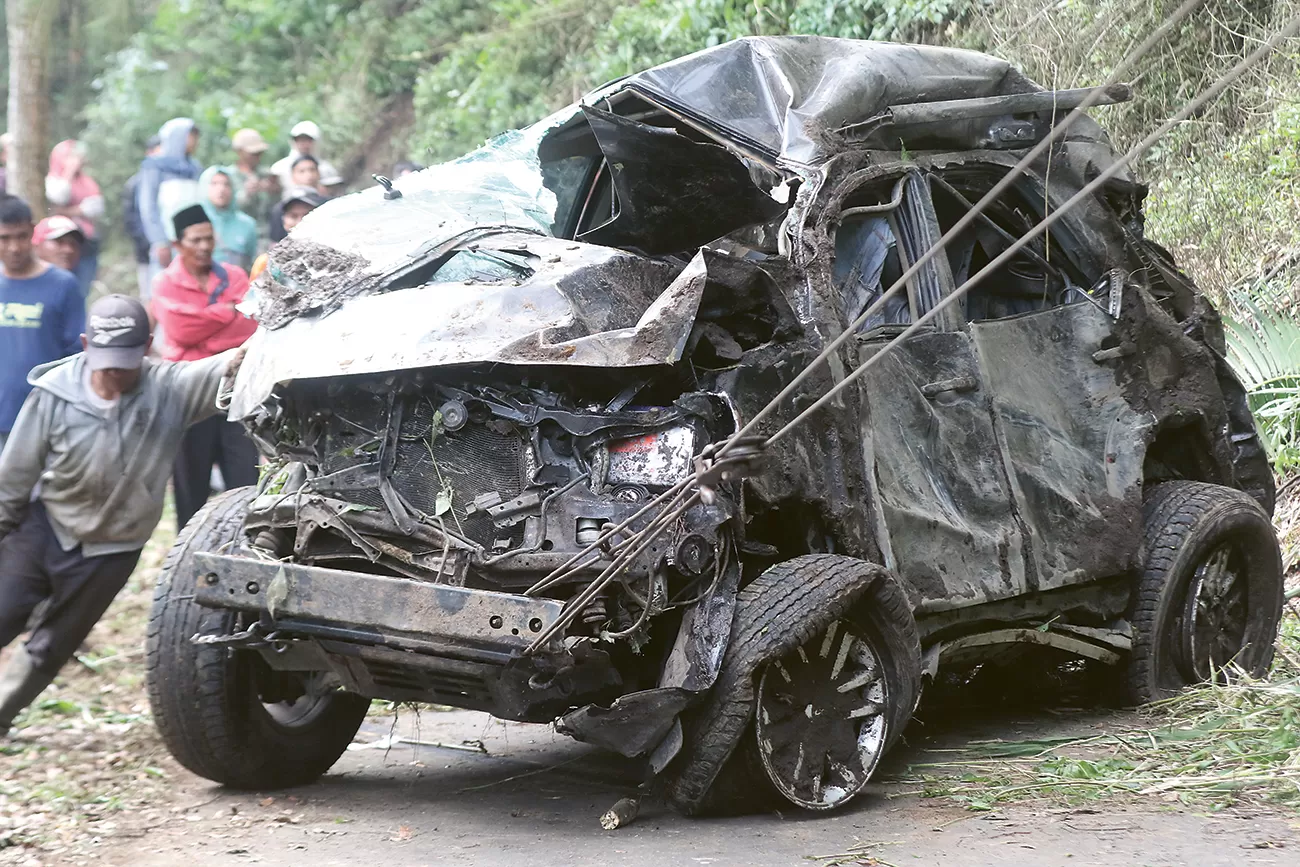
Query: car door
point(945, 507)
point(1072, 443)
point(1051, 363)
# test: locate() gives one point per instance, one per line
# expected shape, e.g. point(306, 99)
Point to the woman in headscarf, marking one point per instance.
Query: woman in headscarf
point(236, 231)
point(73, 193)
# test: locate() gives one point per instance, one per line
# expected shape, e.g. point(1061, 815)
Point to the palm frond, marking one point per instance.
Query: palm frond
point(1264, 350)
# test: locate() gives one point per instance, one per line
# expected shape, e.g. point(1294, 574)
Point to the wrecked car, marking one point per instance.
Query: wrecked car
point(492, 394)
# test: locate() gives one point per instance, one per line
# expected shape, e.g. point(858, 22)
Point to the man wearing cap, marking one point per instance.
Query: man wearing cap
point(297, 203)
point(331, 185)
point(42, 312)
point(194, 304)
point(58, 240)
point(99, 433)
point(304, 137)
point(255, 189)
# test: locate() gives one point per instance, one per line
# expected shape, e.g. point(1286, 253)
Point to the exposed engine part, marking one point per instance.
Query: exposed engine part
point(596, 612)
point(658, 458)
point(588, 530)
point(630, 493)
point(454, 415)
point(693, 555)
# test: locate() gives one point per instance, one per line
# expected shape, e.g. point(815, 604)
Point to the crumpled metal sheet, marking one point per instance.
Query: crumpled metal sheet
point(350, 244)
point(583, 306)
point(632, 725)
point(939, 481)
point(1073, 441)
point(787, 95)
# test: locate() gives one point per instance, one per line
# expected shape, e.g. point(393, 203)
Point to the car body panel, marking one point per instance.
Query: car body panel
point(1074, 444)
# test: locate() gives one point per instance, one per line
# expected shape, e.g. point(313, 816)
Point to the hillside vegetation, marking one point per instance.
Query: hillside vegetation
point(389, 79)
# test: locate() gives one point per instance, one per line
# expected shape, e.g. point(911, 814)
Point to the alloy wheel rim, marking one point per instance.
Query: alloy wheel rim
point(822, 718)
point(1215, 614)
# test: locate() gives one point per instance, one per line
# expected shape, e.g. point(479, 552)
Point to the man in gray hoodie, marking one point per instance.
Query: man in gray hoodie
point(99, 432)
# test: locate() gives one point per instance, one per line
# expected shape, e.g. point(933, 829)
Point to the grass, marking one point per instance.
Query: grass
point(1211, 746)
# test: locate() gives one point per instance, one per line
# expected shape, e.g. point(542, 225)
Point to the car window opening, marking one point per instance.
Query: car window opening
point(1036, 278)
point(884, 228)
point(631, 175)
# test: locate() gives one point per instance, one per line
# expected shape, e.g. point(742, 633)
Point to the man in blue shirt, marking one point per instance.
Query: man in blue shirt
point(42, 313)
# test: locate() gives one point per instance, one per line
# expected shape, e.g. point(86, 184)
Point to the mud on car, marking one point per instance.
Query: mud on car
point(491, 395)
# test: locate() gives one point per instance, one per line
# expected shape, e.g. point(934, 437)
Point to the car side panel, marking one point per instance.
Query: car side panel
point(1072, 442)
point(949, 529)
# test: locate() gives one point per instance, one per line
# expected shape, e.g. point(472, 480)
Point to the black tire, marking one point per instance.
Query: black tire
point(204, 698)
point(1187, 527)
point(720, 770)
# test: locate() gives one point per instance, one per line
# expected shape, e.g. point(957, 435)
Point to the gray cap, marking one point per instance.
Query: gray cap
point(117, 333)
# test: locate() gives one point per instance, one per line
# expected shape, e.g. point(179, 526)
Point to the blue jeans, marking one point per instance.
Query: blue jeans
point(87, 267)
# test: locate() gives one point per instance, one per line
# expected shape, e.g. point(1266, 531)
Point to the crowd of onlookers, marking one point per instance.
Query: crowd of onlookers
point(100, 407)
point(190, 292)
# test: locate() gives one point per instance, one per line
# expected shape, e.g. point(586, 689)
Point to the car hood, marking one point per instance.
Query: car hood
point(567, 304)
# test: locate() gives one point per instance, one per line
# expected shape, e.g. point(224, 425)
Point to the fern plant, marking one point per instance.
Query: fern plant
point(1264, 350)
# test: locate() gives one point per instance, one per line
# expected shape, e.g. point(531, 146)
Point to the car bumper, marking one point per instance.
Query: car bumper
point(473, 624)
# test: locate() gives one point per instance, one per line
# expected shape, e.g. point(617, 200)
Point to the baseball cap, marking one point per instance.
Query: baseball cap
point(306, 128)
point(330, 178)
point(56, 227)
point(249, 140)
point(306, 195)
point(117, 333)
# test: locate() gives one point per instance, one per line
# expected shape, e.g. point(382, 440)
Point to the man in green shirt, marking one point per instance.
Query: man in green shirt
point(256, 189)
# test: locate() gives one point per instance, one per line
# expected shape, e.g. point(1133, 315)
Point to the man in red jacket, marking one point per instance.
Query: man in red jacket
point(194, 304)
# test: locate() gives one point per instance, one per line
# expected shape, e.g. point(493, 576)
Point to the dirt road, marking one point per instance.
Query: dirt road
point(90, 783)
point(533, 798)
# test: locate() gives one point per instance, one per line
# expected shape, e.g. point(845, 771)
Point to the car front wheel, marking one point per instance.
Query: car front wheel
point(821, 675)
point(223, 713)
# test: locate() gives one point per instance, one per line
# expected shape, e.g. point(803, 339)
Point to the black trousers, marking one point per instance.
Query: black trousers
point(211, 441)
point(34, 568)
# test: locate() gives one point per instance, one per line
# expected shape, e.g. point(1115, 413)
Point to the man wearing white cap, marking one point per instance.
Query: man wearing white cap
point(304, 137)
point(100, 432)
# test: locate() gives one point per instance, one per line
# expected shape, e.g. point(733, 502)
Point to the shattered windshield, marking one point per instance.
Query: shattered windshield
point(354, 244)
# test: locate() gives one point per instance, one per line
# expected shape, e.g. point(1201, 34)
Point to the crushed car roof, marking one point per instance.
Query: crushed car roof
point(789, 96)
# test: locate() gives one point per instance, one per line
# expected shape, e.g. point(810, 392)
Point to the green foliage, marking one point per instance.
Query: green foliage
point(905, 20)
point(535, 57)
point(1264, 349)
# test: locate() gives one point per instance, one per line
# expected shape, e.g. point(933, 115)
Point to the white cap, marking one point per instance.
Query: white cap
point(307, 128)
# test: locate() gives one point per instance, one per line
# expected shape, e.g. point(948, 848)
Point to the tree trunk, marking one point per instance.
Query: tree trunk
point(29, 23)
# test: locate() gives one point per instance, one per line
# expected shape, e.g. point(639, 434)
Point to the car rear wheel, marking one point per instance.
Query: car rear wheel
point(224, 714)
point(1210, 595)
point(819, 679)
